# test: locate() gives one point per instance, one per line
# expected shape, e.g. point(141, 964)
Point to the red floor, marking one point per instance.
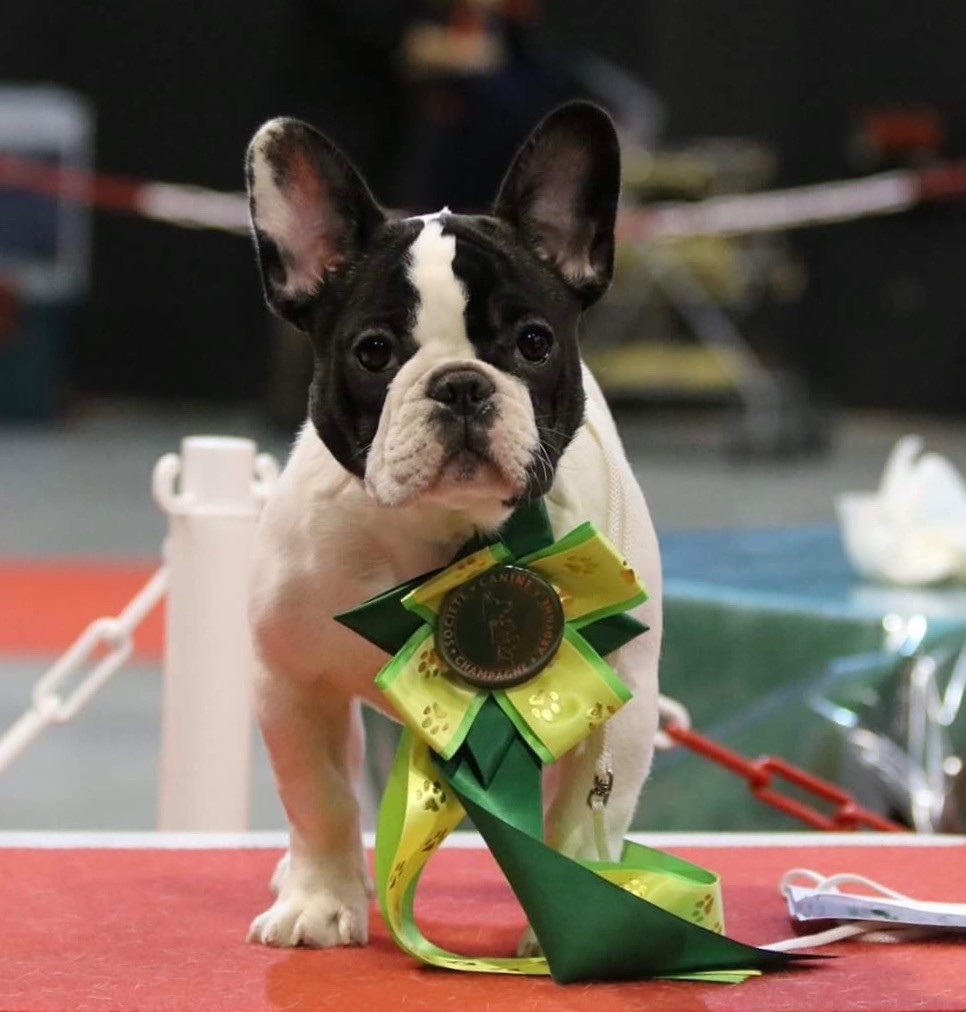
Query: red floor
point(163, 930)
point(46, 604)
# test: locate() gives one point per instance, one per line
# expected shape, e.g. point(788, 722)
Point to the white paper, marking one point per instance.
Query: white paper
point(912, 530)
point(806, 904)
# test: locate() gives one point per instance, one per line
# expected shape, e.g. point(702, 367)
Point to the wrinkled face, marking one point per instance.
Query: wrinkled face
point(447, 366)
point(452, 372)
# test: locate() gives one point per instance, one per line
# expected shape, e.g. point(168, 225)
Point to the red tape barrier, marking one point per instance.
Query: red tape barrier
point(776, 210)
point(110, 193)
point(185, 206)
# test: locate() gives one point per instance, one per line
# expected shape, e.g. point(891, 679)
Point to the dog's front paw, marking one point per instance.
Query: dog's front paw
point(319, 917)
point(280, 874)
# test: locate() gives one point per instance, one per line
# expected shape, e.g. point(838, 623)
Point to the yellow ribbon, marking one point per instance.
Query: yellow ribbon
point(420, 810)
point(467, 749)
point(559, 707)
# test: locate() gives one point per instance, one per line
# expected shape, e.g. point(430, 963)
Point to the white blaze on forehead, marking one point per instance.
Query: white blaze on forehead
point(440, 317)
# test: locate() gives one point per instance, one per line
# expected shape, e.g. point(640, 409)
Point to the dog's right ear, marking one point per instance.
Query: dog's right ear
point(311, 211)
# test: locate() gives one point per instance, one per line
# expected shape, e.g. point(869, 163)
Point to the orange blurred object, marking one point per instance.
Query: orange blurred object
point(899, 131)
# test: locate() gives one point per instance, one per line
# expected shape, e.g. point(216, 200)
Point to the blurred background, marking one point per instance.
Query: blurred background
point(762, 357)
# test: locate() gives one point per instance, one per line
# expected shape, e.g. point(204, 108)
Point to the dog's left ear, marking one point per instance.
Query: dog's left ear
point(561, 196)
point(312, 213)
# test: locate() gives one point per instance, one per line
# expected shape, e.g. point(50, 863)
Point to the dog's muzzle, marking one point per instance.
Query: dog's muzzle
point(466, 409)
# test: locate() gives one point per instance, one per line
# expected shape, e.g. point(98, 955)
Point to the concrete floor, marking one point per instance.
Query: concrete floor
point(83, 490)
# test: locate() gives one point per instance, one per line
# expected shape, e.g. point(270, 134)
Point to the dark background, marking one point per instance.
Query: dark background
point(180, 87)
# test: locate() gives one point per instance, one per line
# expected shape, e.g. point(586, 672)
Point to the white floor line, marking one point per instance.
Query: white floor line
point(469, 841)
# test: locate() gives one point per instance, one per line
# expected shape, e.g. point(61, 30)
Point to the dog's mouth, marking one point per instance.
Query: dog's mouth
point(470, 466)
point(466, 465)
point(467, 452)
point(462, 459)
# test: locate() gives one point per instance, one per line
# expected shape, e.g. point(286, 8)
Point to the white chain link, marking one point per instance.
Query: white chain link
point(50, 704)
point(670, 711)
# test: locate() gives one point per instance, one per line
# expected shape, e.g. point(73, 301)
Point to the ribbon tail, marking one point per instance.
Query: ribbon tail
point(418, 811)
point(617, 935)
point(590, 928)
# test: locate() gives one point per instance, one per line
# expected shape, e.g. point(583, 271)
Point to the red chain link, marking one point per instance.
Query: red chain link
point(761, 773)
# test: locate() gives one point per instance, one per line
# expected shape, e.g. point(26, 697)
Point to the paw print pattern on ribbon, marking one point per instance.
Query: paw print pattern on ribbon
point(462, 963)
point(430, 664)
point(545, 705)
point(581, 565)
point(434, 841)
point(432, 795)
point(702, 908)
point(435, 719)
point(636, 887)
point(398, 868)
point(598, 713)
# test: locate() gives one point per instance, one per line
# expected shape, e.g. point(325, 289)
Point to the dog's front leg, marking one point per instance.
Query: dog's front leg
point(570, 823)
point(315, 741)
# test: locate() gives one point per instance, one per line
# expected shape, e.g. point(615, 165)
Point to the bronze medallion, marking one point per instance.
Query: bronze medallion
point(501, 628)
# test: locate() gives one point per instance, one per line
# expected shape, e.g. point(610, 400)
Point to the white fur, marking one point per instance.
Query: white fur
point(323, 545)
point(440, 317)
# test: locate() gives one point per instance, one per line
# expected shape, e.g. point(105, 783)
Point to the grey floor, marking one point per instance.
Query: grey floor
point(82, 489)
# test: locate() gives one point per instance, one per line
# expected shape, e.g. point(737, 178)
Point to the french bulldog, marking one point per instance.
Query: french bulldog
point(448, 387)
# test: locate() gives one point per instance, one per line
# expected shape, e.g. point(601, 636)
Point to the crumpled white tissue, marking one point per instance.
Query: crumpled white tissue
point(912, 531)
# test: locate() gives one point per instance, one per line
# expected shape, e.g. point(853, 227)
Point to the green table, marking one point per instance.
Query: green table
point(763, 629)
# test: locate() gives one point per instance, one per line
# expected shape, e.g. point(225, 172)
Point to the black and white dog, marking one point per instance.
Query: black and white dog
point(448, 387)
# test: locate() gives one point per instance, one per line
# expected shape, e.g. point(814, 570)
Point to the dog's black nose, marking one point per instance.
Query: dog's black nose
point(463, 391)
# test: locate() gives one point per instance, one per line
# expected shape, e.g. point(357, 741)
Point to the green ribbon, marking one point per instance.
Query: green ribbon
point(645, 915)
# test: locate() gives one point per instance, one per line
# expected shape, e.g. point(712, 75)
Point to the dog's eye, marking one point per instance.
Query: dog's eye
point(534, 342)
point(374, 352)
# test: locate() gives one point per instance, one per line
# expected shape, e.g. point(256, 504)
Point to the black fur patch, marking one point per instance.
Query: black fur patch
point(372, 294)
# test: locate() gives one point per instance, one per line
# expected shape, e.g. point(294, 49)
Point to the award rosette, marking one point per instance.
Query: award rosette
point(497, 669)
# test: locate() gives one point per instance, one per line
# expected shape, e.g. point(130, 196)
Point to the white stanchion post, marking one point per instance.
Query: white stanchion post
point(209, 663)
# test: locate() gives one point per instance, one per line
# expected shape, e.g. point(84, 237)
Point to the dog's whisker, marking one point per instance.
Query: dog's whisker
point(362, 451)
